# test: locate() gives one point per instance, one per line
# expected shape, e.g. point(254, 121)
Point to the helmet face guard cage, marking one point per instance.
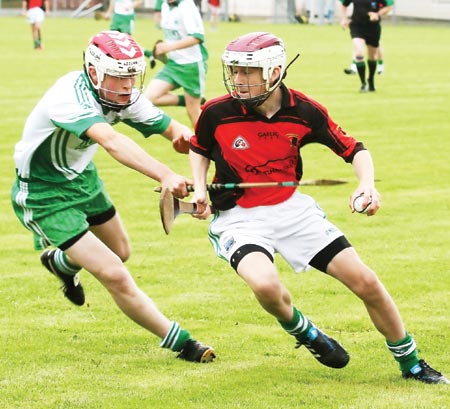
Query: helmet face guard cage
point(116, 55)
point(257, 50)
point(233, 88)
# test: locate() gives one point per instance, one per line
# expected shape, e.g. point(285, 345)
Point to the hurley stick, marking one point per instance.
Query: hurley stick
point(226, 186)
point(170, 207)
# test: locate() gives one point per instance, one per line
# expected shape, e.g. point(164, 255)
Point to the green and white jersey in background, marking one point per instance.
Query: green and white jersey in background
point(54, 147)
point(179, 22)
point(124, 7)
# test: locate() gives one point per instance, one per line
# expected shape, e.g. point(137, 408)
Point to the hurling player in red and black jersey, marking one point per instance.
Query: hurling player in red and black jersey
point(255, 134)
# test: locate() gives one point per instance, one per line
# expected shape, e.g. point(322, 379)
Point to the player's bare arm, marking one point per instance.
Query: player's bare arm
point(165, 47)
point(180, 136)
point(344, 19)
point(200, 166)
point(130, 154)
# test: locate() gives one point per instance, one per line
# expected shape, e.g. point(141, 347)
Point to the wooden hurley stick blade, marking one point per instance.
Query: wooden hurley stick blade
point(170, 207)
point(166, 209)
point(322, 182)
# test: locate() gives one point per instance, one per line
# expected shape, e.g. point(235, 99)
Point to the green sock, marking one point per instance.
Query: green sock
point(404, 352)
point(175, 338)
point(181, 101)
point(380, 62)
point(299, 325)
point(63, 264)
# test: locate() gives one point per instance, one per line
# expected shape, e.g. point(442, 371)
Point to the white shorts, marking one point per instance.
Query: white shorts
point(35, 15)
point(213, 9)
point(297, 229)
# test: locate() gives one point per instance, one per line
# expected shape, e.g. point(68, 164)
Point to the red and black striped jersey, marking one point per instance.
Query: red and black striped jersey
point(249, 147)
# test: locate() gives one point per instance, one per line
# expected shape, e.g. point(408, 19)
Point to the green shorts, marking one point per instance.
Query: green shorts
point(123, 23)
point(190, 77)
point(58, 215)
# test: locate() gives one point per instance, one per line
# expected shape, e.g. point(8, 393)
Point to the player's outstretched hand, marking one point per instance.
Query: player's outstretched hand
point(181, 144)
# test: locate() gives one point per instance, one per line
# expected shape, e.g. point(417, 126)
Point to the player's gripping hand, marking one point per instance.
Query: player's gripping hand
point(203, 208)
point(159, 51)
point(371, 194)
point(176, 184)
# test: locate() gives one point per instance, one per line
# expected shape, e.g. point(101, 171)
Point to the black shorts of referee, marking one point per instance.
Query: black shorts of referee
point(371, 33)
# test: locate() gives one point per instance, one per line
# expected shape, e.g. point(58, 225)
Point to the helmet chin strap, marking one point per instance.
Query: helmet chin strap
point(251, 103)
point(256, 101)
point(292, 62)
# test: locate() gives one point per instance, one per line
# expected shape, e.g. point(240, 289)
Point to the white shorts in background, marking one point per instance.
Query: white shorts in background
point(213, 9)
point(297, 229)
point(35, 15)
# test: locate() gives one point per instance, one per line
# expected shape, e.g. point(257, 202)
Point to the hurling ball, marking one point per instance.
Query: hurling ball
point(358, 204)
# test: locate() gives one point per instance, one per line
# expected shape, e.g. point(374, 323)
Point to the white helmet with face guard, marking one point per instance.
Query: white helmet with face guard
point(261, 50)
point(117, 55)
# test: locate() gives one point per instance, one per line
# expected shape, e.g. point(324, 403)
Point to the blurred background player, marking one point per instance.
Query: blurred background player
point(35, 12)
point(365, 31)
point(123, 15)
point(255, 134)
point(60, 198)
point(213, 9)
point(184, 45)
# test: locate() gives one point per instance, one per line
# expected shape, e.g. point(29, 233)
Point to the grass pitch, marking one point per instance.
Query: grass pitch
point(54, 355)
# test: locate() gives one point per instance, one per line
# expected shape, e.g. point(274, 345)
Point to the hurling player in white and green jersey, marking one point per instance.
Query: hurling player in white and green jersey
point(123, 15)
point(184, 44)
point(59, 196)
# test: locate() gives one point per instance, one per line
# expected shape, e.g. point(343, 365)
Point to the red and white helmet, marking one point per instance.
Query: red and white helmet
point(118, 55)
point(259, 49)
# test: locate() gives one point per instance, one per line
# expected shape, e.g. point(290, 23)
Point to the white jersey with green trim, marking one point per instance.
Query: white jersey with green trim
point(124, 7)
point(180, 22)
point(54, 147)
